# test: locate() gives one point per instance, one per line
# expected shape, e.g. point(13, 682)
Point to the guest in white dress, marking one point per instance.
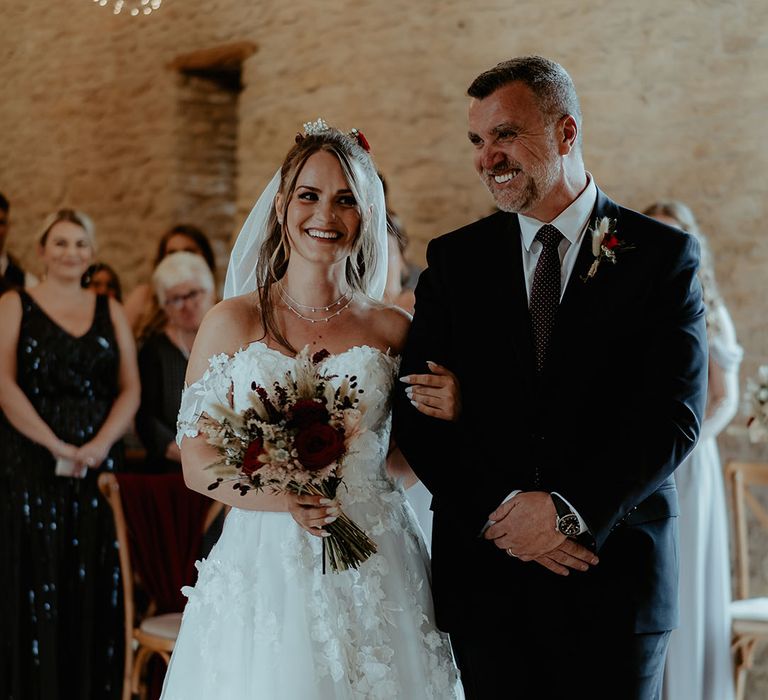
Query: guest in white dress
point(699, 665)
point(263, 621)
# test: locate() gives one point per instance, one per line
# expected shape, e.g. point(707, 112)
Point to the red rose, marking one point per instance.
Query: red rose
point(306, 412)
point(318, 445)
point(251, 461)
point(610, 241)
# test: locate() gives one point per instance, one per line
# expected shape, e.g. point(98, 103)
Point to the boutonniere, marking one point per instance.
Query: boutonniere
point(605, 245)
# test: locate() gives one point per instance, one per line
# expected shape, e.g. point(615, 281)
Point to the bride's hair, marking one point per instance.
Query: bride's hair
point(364, 261)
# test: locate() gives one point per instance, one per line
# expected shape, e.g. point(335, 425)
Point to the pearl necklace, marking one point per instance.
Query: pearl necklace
point(292, 304)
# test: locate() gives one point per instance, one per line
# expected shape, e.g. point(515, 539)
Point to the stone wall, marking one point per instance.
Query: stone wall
point(674, 97)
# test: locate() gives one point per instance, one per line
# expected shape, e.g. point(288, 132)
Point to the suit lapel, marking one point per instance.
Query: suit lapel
point(581, 294)
point(509, 272)
point(577, 300)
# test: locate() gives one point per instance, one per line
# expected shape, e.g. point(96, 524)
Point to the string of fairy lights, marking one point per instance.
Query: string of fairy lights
point(132, 7)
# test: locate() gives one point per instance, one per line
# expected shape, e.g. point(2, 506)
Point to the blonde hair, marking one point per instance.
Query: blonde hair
point(361, 176)
point(73, 216)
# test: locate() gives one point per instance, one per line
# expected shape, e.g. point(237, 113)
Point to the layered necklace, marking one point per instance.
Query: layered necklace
point(339, 305)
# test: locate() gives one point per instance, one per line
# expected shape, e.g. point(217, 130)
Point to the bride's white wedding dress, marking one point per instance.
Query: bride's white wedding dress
point(264, 622)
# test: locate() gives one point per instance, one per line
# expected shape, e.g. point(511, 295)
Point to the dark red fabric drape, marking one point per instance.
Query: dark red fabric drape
point(164, 520)
point(165, 523)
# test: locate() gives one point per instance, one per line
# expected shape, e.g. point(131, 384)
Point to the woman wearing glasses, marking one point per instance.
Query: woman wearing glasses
point(184, 286)
point(144, 313)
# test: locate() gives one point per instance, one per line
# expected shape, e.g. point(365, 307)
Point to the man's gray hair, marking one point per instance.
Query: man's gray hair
point(549, 82)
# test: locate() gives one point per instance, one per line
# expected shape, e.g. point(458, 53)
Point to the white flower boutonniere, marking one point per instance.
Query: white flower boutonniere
point(605, 245)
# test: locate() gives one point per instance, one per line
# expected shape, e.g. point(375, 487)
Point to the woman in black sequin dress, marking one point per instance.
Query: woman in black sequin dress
point(68, 391)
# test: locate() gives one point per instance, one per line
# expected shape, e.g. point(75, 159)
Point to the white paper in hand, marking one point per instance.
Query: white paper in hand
point(68, 467)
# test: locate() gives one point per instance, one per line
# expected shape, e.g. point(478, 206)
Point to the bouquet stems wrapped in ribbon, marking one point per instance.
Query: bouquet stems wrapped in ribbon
point(294, 438)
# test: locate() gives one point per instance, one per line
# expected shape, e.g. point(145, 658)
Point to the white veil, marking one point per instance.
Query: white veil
point(241, 271)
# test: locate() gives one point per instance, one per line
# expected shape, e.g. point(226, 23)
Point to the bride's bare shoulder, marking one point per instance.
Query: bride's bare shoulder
point(229, 325)
point(389, 323)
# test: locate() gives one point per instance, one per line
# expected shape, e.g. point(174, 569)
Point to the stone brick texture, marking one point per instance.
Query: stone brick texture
point(674, 95)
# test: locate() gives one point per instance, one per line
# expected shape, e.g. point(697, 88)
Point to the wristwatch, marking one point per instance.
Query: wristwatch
point(567, 522)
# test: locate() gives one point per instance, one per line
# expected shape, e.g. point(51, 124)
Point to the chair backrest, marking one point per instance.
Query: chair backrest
point(159, 524)
point(744, 479)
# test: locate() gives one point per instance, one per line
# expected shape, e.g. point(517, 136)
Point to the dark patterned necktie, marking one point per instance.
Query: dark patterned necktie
point(545, 292)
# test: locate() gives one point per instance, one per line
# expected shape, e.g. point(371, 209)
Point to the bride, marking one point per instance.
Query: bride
point(263, 621)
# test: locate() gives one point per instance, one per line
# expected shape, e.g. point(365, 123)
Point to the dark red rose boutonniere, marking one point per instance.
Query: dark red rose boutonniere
point(605, 245)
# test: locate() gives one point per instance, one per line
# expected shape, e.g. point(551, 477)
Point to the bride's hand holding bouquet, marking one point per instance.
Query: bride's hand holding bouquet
point(293, 440)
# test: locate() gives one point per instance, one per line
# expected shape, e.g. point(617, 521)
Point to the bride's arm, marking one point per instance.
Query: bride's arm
point(222, 332)
point(218, 334)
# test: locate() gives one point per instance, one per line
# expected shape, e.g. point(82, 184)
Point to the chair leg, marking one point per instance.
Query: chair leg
point(138, 667)
point(127, 694)
point(741, 682)
point(744, 650)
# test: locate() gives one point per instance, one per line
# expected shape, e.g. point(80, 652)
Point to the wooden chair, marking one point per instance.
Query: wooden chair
point(146, 633)
point(749, 614)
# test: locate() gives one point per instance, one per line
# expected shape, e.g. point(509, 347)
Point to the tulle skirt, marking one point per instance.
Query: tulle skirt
point(263, 621)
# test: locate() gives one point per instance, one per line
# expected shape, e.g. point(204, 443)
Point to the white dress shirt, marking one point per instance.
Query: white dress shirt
point(572, 223)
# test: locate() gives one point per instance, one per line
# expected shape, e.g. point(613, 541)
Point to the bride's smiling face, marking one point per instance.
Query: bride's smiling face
point(323, 218)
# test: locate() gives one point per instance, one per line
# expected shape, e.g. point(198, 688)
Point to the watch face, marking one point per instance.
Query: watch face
point(569, 525)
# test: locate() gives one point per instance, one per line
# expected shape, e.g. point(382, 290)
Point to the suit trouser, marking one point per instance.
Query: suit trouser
point(627, 668)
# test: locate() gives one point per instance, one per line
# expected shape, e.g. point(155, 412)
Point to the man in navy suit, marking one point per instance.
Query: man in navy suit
point(554, 550)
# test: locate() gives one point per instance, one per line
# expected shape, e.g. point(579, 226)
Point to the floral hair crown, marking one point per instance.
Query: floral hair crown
point(320, 126)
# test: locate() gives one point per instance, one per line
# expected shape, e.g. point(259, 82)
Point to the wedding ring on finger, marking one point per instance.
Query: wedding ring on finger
point(90, 461)
point(511, 553)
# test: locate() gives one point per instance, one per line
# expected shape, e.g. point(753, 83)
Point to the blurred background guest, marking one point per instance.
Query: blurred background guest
point(69, 388)
point(699, 663)
point(401, 275)
point(102, 279)
point(11, 273)
point(184, 286)
point(141, 306)
point(398, 271)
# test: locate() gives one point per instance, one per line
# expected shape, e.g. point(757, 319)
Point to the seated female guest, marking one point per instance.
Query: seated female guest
point(141, 305)
point(100, 278)
point(68, 390)
point(184, 286)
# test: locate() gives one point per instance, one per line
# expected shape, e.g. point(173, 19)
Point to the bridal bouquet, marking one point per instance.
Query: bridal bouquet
point(294, 438)
point(756, 404)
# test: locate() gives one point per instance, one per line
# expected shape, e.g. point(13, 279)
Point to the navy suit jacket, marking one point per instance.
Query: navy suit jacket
point(617, 408)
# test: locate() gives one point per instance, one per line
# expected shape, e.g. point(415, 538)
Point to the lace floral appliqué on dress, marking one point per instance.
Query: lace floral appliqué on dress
point(264, 622)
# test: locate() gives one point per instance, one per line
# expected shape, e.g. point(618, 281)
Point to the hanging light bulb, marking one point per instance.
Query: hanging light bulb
point(133, 7)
